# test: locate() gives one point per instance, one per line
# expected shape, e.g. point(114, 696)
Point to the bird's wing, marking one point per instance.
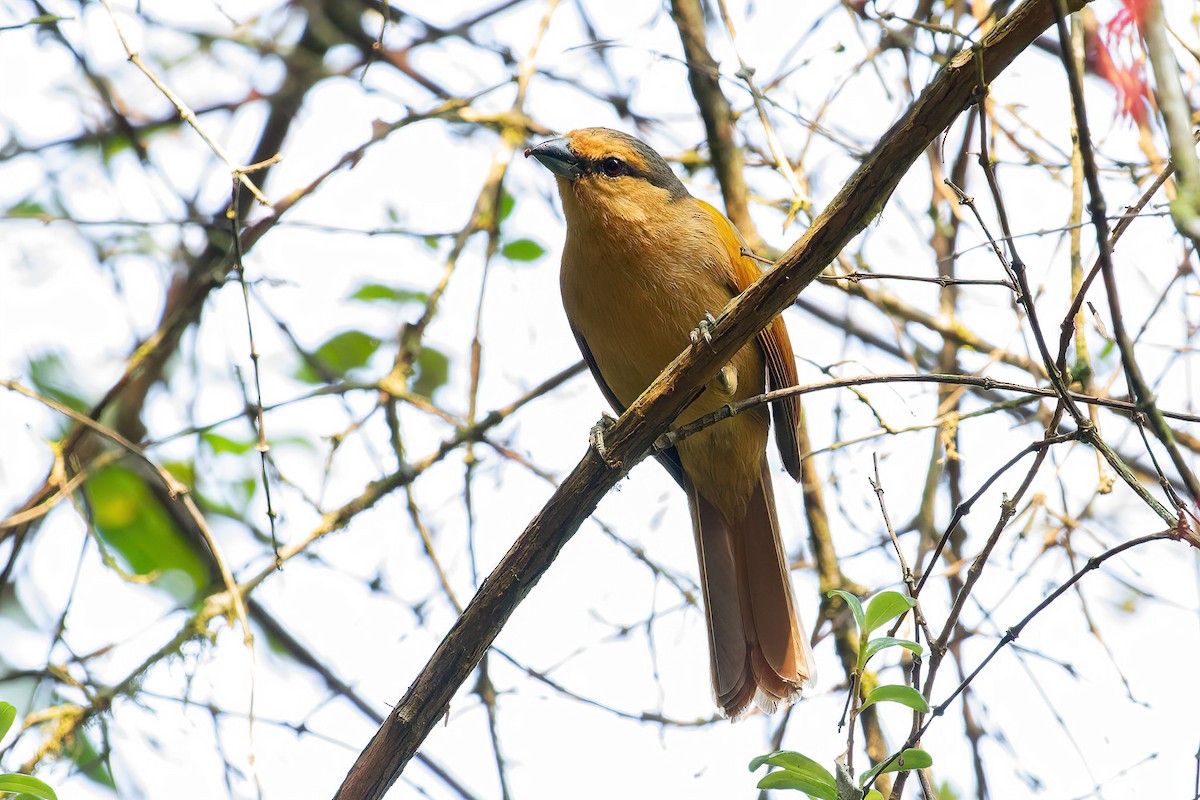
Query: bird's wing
point(668, 458)
point(776, 346)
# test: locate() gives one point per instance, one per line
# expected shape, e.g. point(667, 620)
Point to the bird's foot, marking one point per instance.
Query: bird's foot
point(727, 380)
point(704, 329)
point(596, 439)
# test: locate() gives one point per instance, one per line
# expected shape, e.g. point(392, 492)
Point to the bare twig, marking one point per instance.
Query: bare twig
point(186, 114)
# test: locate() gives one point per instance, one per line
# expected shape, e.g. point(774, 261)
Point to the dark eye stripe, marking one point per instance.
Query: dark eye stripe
point(656, 173)
point(641, 160)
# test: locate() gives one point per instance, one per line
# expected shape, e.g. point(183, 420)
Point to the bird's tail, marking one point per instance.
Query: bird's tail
point(758, 651)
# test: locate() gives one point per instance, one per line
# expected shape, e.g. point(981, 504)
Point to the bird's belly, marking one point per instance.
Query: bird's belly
point(635, 325)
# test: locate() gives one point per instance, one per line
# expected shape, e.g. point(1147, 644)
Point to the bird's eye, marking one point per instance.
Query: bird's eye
point(612, 166)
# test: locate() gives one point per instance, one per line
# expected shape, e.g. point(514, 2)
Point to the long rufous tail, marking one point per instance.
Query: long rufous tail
point(758, 651)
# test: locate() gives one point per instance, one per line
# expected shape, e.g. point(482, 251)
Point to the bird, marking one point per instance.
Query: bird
point(644, 264)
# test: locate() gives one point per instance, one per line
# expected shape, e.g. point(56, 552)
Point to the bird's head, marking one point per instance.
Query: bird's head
point(609, 176)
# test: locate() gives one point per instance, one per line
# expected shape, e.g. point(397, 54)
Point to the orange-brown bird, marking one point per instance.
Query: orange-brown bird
point(643, 264)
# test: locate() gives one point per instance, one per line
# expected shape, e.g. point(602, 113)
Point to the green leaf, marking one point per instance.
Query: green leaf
point(909, 759)
point(875, 795)
point(855, 606)
point(338, 355)
point(223, 444)
point(27, 208)
point(897, 693)
point(523, 250)
point(506, 205)
point(798, 771)
point(85, 756)
point(183, 471)
point(946, 791)
point(790, 760)
point(131, 520)
point(26, 784)
point(782, 779)
point(376, 292)
point(432, 372)
point(112, 145)
point(348, 350)
point(885, 607)
point(8, 715)
point(54, 376)
point(884, 642)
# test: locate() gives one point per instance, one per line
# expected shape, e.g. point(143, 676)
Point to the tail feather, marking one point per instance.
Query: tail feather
point(757, 650)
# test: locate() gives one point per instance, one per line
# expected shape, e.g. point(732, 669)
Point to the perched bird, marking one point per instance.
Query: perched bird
point(643, 264)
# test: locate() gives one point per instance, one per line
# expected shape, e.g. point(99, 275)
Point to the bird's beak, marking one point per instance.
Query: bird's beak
point(557, 157)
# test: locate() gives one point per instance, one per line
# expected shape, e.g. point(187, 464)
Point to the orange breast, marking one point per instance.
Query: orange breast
point(635, 294)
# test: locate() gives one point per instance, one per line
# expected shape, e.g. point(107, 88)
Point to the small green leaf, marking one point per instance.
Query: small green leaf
point(855, 606)
point(27, 208)
point(884, 642)
point(54, 375)
point(375, 292)
point(523, 250)
point(340, 354)
point(885, 607)
point(433, 369)
point(506, 205)
point(8, 714)
point(798, 771)
point(782, 779)
point(184, 471)
point(875, 795)
point(26, 784)
point(223, 444)
point(897, 693)
point(89, 761)
point(909, 759)
point(792, 761)
point(113, 145)
point(946, 791)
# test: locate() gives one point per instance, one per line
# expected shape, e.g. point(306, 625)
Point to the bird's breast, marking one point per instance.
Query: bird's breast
point(634, 296)
point(635, 301)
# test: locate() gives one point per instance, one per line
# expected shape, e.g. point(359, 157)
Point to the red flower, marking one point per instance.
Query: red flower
point(1121, 60)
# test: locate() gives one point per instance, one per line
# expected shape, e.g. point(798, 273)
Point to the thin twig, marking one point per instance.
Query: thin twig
point(1133, 372)
point(186, 113)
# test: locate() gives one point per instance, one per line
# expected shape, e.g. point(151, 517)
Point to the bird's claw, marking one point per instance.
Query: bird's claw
point(596, 439)
point(704, 329)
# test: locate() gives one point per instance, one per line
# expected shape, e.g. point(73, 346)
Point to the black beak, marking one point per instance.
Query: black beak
point(556, 156)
